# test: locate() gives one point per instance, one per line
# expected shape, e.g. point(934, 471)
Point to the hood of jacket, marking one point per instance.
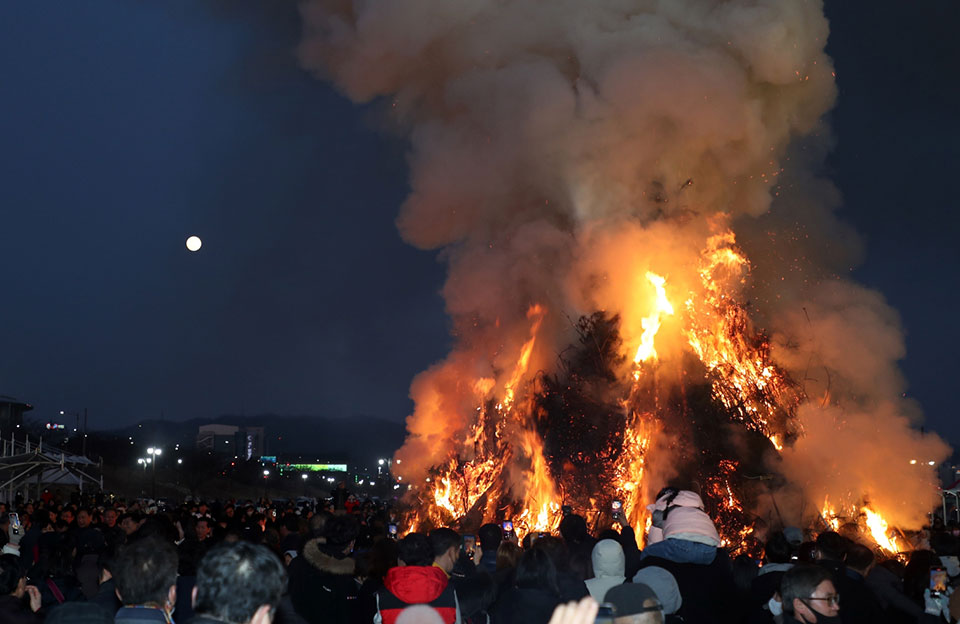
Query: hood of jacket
point(416, 584)
point(323, 562)
point(608, 559)
point(664, 585)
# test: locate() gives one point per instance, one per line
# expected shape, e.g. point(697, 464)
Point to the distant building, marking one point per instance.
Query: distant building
point(241, 442)
point(11, 412)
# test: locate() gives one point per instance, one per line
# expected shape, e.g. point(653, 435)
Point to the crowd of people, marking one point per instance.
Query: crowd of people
point(343, 562)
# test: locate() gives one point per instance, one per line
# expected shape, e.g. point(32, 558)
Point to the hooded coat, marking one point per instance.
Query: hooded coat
point(686, 519)
point(416, 585)
point(322, 587)
point(608, 568)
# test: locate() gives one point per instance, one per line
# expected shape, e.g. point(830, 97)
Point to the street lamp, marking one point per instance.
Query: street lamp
point(154, 453)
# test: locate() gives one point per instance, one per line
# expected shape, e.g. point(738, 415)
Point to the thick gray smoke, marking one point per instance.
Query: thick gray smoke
point(559, 150)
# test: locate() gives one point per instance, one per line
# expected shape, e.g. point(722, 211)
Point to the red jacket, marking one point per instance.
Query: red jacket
point(412, 585)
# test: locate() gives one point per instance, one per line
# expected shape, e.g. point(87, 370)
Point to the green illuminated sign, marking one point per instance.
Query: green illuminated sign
point(315, 467)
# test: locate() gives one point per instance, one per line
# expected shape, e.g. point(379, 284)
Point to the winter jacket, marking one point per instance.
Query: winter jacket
point(709, 595)
point(321, 584)
point(414, 585)
point(524, 606)
point(686, 519)
point(141, 615)
point(608, 568)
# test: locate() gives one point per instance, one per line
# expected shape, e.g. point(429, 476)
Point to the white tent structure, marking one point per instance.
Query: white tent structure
point(26, 466)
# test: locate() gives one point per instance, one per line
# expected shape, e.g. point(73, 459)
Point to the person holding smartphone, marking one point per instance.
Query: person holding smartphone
point(490, 536)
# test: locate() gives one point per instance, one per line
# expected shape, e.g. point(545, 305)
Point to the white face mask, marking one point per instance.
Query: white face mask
point(775, 606)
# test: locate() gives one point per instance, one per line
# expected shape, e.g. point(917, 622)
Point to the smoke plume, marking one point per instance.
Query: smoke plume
point(560, 150)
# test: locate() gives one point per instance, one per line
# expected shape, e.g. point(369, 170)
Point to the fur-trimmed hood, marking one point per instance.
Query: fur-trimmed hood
point(327, 563)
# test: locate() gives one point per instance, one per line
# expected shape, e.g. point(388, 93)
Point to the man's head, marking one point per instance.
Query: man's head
point(130, 522)
point(807, 592)
point(777, 549)
point(859, 558)
point(415, 550)
point(635, 604)
point(146, 573)
point(67, 515)
point(831, 546)
point(289, 525)
point(341, 533)
point(573, 528)
point(203, 528)
point(490, 536)
point(446, 548)
point(110, 518)
point(240, 583)
point(84, 517)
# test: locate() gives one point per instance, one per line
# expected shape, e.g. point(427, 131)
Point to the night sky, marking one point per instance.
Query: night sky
point(127, 126)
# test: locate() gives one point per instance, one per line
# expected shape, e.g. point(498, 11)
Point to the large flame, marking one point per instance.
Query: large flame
point(507, 473)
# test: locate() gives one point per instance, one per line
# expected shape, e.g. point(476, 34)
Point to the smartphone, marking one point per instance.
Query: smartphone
point(616, 506)
point(392, 531)
point(507, 527)
point(14, 522)
point(938, 581)
point(606, 613)
point(469, 544)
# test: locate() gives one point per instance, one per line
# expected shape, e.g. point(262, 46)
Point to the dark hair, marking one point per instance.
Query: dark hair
point(477, 596)
point(580, 563)
point(341, 530)
point(291, 522)
point(573, 528)
point(536, 571)
point(944, 544)
point(832, 545)
point(234, 580)
point(441, 540)
point(40, 519)
point(777, 549)
point(508, 555)
point(10, 574)
point(556, 549)
point(744, 571)
point(145, 570)
point(859, 557)
point(799, 582)
point(415, 550)
point(384, 553)
point(916, 575)
point(490, 536)
point(131, 515)
point(805, 552)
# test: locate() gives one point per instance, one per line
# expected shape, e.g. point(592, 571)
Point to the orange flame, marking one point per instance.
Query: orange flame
point(651, 324)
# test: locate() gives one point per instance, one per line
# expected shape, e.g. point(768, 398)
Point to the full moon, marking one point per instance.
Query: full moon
point(194, 243)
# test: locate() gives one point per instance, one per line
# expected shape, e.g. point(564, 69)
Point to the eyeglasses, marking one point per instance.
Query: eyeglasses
point(833, 601)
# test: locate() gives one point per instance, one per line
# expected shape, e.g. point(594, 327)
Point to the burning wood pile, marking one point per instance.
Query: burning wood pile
point(586, 435)
point(647, 281)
